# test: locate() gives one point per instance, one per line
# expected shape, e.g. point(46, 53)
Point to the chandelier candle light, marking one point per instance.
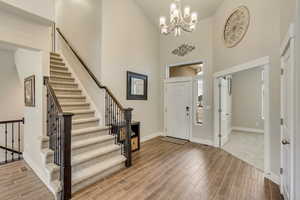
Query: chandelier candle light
point(185, 21)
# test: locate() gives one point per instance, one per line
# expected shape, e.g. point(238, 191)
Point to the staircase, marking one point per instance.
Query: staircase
point(94, 152)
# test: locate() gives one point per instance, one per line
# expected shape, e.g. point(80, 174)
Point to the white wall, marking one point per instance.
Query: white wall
point(202, 39)
point(80, 22)
point(22, 32)
point(262, 39)
point(34, 63)
point(44, 8)
point(131, 42)
point(287, 16)
point(247, 99)
point(11, 90)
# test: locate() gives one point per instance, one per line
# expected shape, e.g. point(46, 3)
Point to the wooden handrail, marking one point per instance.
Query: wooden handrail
point(89, 71)
point(12, 121)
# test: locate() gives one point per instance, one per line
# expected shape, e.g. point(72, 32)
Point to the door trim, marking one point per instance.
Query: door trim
point(264, 63)
point(178, 80)
point(289, 43)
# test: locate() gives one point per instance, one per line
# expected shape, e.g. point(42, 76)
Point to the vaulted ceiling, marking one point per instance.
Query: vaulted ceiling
point(156, 8)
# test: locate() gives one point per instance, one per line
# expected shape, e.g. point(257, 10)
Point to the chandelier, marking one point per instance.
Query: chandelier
point(179, 20)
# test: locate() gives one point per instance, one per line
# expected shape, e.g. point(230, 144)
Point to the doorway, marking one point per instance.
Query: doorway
point(241, 137)
point(185, 100)
point(287, 116)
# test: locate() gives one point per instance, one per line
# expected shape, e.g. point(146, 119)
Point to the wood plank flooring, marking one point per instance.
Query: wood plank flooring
point(18, 182)
point(161, 171)
point(166, 171)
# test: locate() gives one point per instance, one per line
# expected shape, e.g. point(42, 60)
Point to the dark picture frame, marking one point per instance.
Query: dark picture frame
point(131, 77)
point(29, 91)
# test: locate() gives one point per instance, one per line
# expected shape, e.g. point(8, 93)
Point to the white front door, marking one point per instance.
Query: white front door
point(286, 125)
point(226, 106)
point(179, 109)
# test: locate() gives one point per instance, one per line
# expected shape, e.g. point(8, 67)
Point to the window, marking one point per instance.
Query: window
point(199, 101)
point(262, 95)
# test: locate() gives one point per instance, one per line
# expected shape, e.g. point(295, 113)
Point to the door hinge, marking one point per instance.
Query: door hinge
point(219, 85)
point(281, 171)
point(220, 110)
point(281, 71)
point(281, 121)
point(220, 135)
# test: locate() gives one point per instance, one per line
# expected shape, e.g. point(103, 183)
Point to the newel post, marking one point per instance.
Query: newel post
point(66, 168)
point(128, 117)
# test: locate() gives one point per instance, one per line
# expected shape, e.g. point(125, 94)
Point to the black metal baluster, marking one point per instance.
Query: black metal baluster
point(19, 141)
point(6, 143)
point(12, 145)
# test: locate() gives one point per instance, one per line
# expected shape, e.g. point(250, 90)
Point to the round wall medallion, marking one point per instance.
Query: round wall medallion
point(236, 26)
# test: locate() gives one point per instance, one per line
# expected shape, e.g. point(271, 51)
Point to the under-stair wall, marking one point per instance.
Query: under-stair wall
point(35, 63)
point(91, 90)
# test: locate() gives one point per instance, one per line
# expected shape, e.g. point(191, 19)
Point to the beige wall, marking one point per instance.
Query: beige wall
point(247, 99)
point(44, 8)
point(287, 15)
point(202, 39)
point(262, 39)
point(80, 22)
point(11, 90)
point(131, 42)
point(24, 32)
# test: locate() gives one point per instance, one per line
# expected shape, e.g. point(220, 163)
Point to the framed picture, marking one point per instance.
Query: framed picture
point(29, 91)
point(137, 86)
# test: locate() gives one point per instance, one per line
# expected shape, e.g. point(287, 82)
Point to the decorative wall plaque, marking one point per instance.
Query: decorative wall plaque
point(183, 50)
point(236, 26)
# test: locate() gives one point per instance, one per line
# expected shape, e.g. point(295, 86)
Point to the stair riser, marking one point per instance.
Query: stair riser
point(69, 80)
point(55, 174)
point(64, 74)
point(55, 59)
point(98, 177)
point(70, 108)
point(54, 54)
point(92, 147)
point(84, 116)
point(61, 68)
point(57, 63)
point(73, 100)
point(89, 135)
point(95, 160)
point(65, 92)
point(72, 86)
point(85, 125)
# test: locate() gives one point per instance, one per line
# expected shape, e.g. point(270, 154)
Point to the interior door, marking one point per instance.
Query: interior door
point(226, 109)
point(179, 107)
point(286, 125)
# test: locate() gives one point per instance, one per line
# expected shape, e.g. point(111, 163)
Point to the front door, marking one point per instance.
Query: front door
point(286, 124)
point(226, 104)
point(179, 109)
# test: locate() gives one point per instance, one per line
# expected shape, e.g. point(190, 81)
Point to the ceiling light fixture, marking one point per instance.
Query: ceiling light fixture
point(179, 20)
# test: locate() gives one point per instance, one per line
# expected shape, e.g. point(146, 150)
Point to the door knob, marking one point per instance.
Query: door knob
point(285, 142)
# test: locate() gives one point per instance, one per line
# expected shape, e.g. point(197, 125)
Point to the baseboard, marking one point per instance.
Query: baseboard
point(202, 141)
point(250, 130)
point(273, 177)
point(151, 136)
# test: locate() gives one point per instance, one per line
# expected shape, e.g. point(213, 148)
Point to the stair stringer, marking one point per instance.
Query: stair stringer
point(100, 110)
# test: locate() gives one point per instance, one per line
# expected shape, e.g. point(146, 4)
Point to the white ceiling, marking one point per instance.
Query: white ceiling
point(156, 8)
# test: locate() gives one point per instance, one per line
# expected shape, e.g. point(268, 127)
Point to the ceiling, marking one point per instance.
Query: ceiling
point(156, 8)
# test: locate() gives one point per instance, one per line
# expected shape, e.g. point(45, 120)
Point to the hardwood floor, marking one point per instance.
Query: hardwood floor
point(166, 171)
point(18, 182)
point(161, 171)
